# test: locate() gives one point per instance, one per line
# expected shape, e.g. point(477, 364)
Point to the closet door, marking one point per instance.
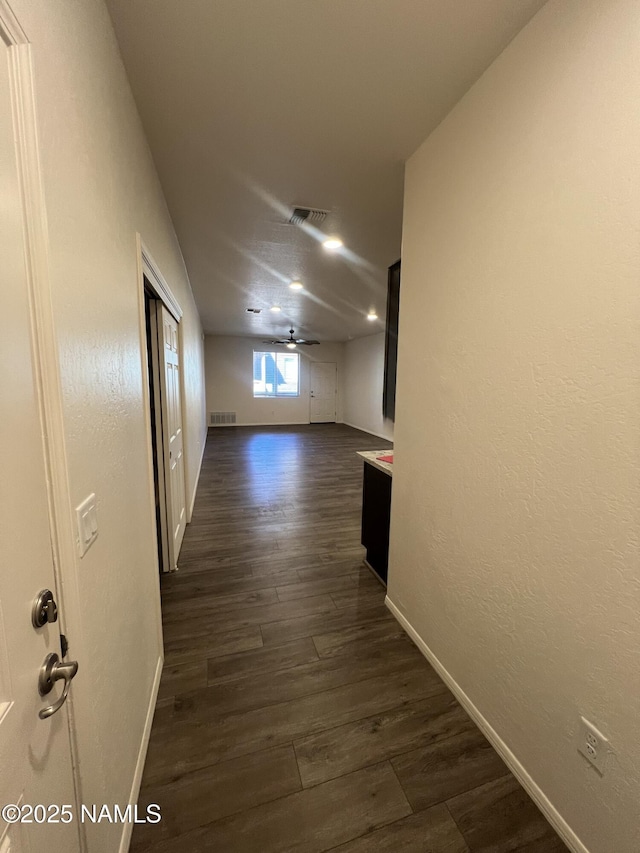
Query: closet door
point(172, 432)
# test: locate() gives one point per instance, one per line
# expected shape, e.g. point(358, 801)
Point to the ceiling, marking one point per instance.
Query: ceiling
point(254, 106)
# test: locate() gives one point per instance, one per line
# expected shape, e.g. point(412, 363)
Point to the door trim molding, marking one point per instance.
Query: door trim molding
point(11, 31)
point(157, 280)
point(148, 268)
point(312, 364)
point(46, 361)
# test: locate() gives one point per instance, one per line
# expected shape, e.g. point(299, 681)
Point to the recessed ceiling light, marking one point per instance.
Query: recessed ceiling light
point(372, 315)
point(291, 345)
point(296, 285)
point(332, 243)
point(276, 308)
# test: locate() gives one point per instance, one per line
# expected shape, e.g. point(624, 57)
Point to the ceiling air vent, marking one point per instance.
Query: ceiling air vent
point(254, 310)
point(307, 214)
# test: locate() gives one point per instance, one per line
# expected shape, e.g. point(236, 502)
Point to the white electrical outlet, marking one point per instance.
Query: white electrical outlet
point(593, 745)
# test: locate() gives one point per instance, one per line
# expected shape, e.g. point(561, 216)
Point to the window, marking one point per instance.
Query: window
point(276, 374)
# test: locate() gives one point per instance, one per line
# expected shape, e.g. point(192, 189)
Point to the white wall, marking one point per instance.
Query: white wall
point(229, 381)
point(101, 188)
point(516, 507)
point(363, 381)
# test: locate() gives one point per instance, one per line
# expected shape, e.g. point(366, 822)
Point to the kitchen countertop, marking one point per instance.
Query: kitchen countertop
point(370, 456)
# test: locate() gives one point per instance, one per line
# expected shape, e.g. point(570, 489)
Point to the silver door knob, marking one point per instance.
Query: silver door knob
point(52, 670)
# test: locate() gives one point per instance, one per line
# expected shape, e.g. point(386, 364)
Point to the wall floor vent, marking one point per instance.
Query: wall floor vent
point(221, 418)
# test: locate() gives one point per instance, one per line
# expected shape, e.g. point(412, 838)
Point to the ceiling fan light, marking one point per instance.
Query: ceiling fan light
point(291, 345)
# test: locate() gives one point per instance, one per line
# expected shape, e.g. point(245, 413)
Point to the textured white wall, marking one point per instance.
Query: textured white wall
point(101, 187)
point(229, 381)
point(363, 381)
point(516, 508)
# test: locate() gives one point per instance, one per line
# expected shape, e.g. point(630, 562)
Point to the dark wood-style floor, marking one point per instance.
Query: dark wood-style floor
point(294, 713)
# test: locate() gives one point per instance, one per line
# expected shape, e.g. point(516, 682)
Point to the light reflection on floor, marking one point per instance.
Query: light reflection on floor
point(281, 452)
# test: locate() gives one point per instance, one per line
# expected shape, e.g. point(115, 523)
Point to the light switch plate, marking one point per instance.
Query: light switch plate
point(87, 520)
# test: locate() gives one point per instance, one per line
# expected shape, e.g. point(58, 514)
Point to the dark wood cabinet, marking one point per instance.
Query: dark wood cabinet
point(376, 515)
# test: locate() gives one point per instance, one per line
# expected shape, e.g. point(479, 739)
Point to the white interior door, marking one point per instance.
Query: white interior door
point(172, 432)
point(323, 392)
point(35, 755)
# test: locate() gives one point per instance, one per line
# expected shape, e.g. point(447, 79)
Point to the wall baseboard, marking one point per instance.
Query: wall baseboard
point(195, 486)
point(127, 827)
point(535, 792)
point(368, 431)
point(280, 423)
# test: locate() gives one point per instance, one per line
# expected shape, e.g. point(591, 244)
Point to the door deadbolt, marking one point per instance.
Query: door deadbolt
point(44, 609)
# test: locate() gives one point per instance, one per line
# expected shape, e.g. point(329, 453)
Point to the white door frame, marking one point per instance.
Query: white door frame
point(312, 365)
point(147, 268)
point(46, 364)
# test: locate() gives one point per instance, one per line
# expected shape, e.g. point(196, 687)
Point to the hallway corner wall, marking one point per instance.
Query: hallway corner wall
point(363, 383)
point(516, 491)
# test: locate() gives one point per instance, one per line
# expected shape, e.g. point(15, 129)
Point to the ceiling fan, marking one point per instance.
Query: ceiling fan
point(292, 342)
